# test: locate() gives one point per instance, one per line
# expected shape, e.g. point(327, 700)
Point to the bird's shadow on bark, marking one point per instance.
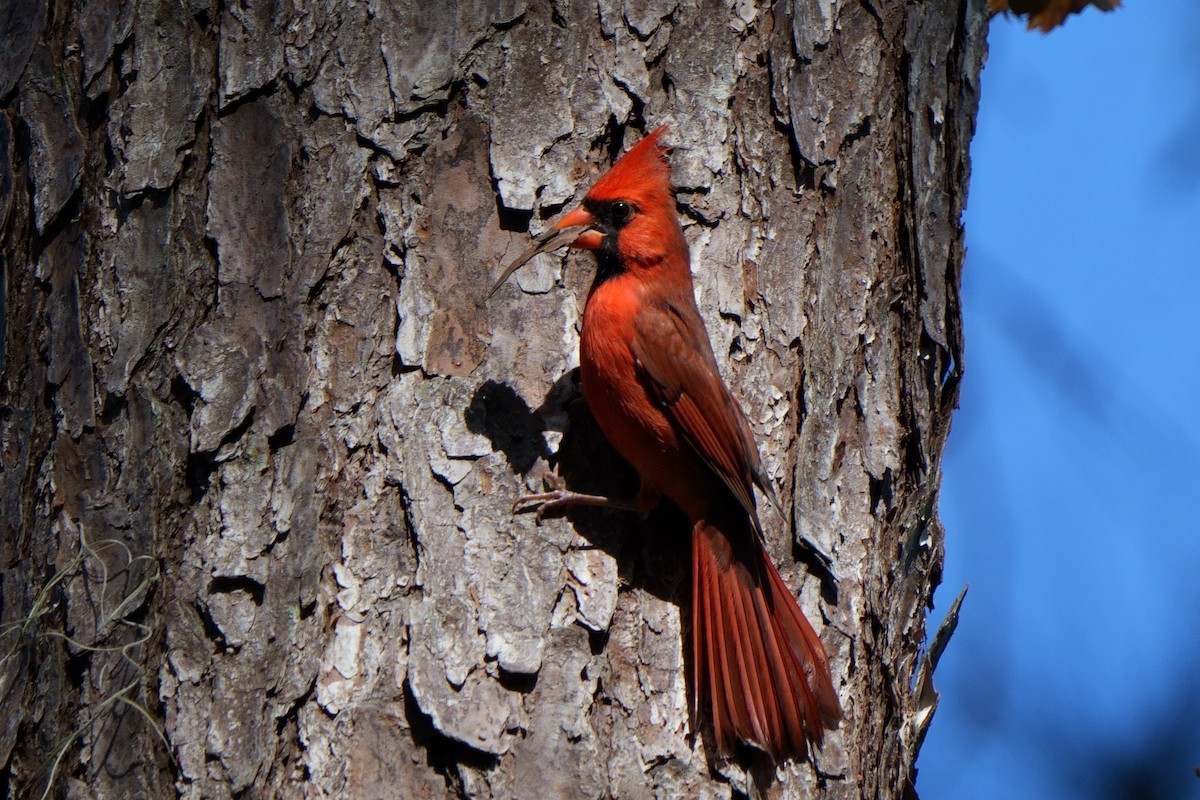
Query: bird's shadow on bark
point(652, 552)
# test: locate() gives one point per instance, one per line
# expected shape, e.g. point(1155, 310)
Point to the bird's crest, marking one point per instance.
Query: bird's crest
point(639, 174)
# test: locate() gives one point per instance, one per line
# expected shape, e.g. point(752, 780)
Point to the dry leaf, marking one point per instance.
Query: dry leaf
point(1048, 14)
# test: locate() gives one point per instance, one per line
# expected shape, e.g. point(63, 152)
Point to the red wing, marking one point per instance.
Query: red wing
point(677, 364)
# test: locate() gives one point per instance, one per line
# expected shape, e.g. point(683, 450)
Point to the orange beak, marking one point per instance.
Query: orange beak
point(589, 238)
point(576, 229)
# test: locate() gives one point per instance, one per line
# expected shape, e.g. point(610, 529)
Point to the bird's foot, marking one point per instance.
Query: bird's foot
point(559, 497)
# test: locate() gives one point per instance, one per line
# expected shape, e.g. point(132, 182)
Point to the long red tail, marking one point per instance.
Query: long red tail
point(758, 662)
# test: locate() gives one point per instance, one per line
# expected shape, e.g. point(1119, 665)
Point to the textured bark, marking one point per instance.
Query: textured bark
point(260, 441)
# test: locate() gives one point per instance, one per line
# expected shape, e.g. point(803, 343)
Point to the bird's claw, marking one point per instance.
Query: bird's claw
point(559, 497)
point(545, 501)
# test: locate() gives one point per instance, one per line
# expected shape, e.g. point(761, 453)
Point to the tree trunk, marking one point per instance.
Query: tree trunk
point(260, 441)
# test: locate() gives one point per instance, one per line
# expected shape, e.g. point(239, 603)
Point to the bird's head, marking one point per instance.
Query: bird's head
point(628, 217)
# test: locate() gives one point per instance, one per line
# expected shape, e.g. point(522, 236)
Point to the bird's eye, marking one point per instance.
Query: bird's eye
point(621, 212)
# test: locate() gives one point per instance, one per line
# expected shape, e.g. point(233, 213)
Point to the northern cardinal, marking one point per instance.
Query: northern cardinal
point(652, 383)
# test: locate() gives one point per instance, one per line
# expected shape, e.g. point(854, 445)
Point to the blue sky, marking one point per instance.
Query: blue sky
point(1072, 487)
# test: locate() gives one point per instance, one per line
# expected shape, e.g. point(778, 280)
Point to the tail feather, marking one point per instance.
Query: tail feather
point(817, 683)
point(744, 648)
point(727, 683)
point(791, 691)
point(757, 661)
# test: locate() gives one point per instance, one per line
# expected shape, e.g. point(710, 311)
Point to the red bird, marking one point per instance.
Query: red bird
point(652, 383)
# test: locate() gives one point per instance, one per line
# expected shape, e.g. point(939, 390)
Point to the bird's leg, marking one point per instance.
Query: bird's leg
point(559, 497)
